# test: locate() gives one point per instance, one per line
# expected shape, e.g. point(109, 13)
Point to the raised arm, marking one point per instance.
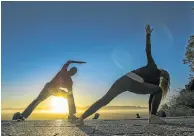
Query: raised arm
point(150, 59)
point(70, 62)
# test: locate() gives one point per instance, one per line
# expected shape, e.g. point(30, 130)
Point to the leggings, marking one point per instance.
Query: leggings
point(127, 84)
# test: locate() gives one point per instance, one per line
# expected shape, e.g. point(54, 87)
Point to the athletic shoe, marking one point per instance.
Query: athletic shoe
point(18, 116)
point(156, 120)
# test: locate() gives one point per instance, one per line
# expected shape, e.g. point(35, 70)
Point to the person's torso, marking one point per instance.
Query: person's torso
point(63, 79)
point(149, 73)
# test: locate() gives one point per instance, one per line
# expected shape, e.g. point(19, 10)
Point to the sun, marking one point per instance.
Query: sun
point(59, 105)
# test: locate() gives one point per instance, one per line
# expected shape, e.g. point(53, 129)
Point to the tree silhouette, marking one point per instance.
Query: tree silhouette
point(189, 55)
point(189, 59)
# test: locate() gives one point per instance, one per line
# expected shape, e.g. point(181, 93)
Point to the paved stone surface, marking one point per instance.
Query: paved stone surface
point(132, 127)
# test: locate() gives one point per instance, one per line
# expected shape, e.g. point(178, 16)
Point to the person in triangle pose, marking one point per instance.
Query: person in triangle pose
point(54, 87)
point(148, 79)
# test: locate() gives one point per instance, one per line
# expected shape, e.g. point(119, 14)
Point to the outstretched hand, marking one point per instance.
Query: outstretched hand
point(79, 62)
point(148, 29)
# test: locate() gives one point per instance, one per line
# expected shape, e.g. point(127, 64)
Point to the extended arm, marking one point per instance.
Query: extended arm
point(150, 59)
point(70, 62)
point(64, 70)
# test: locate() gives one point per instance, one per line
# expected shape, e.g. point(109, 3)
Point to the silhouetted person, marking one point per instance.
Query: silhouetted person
point(145, 80)
point(96, 116)
point(54, 87)
point(138, 115)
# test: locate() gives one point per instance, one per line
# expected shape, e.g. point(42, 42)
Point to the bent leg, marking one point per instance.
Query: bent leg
point(115, 90)
point(144, 88)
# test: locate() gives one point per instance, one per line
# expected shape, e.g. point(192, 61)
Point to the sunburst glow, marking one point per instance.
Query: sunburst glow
point(59, 105)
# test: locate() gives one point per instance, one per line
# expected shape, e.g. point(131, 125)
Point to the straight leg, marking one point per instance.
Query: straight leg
point(156, 102)
point(69, 96)
point(150, 102)
point(115, 90)
point(71, 104)
point(44, 94)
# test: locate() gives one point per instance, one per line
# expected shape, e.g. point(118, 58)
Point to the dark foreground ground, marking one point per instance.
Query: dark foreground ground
point(132, 127)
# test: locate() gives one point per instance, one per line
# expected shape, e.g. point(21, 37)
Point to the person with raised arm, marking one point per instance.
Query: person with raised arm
point(148, 79)
point(55, 88)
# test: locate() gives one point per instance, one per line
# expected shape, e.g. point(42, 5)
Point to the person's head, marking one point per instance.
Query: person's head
point(72, 71)
point(164, 82)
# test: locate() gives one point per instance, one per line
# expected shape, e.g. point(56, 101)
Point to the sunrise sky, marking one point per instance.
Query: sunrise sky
point(39, 37)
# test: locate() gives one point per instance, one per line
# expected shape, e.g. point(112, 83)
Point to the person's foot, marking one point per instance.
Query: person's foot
point(79, 122)
point(156, 120)
point(72, 118)
point(18, 116)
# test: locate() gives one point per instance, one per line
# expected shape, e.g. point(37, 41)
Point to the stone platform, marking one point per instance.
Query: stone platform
point(180, 126)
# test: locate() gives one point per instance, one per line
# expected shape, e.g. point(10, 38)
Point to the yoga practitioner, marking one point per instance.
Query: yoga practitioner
point(55, 88)
point(145, 80)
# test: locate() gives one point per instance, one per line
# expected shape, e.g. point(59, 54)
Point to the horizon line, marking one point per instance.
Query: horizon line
point(80, 107)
